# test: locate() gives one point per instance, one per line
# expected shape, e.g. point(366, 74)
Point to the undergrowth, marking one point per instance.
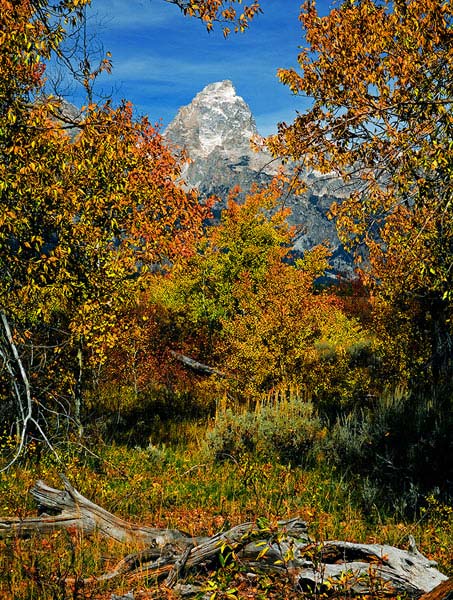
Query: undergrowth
point(351, 479)
point(182, 487)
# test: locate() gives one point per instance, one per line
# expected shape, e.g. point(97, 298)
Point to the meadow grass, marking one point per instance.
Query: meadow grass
point(179, 486)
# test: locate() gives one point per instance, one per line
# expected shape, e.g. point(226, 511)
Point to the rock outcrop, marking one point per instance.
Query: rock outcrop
point(215, 130)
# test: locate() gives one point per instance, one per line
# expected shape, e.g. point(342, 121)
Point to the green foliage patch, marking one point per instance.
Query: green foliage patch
point(286, 429)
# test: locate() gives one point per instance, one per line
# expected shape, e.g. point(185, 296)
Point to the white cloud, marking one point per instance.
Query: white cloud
point(117, 14)
point(154, 67)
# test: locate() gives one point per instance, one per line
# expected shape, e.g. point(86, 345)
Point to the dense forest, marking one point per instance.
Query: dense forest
point(196, 376)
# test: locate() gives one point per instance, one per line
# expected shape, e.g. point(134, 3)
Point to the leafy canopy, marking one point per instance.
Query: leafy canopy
point(227, 12)
point(84, 218)
point(242, 305)
point(380, 75)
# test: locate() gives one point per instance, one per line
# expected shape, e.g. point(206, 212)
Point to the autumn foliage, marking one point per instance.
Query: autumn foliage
point(110, 271)
point(84, 219)
point(380, 77)
point(230, 13)
point(242, 304)
point(194, 374)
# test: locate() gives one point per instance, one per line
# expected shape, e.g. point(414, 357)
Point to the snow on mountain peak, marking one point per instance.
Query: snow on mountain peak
point(215, 130)
point(220, 90)
point(217, 120)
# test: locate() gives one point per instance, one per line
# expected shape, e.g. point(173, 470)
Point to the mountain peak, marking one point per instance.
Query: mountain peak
point(217, 120)
point(220, 88)
point(215, 130)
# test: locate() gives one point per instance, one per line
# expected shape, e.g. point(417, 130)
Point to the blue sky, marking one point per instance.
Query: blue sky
point(162, 59)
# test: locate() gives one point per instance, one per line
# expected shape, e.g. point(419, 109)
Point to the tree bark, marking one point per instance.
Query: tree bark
point(67, 508)
point(357, 569)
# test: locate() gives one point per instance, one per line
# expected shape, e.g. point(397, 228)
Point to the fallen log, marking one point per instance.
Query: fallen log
point(68, 509)
point(196, 366)
point(285, 546)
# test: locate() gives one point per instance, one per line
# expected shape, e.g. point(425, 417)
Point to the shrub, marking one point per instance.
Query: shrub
point(399, 449)
point(233, 435)
point(283, 426)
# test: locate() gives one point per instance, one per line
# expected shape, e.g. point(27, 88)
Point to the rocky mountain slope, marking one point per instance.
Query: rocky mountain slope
point(215, 130)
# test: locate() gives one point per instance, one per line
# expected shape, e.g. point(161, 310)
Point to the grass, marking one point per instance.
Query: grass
point(178, 486)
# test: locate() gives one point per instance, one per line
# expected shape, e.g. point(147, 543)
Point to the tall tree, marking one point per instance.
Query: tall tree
point(242, 306)
point(380, 75)
point(83, 220)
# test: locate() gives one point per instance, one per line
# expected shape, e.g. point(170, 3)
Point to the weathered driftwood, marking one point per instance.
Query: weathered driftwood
point(371, 566)
point(360, 568)
point(67, 508)
point(196, 366)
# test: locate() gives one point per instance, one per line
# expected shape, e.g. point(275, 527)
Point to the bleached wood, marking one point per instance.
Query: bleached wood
point(67, 508)
point(285, 547)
